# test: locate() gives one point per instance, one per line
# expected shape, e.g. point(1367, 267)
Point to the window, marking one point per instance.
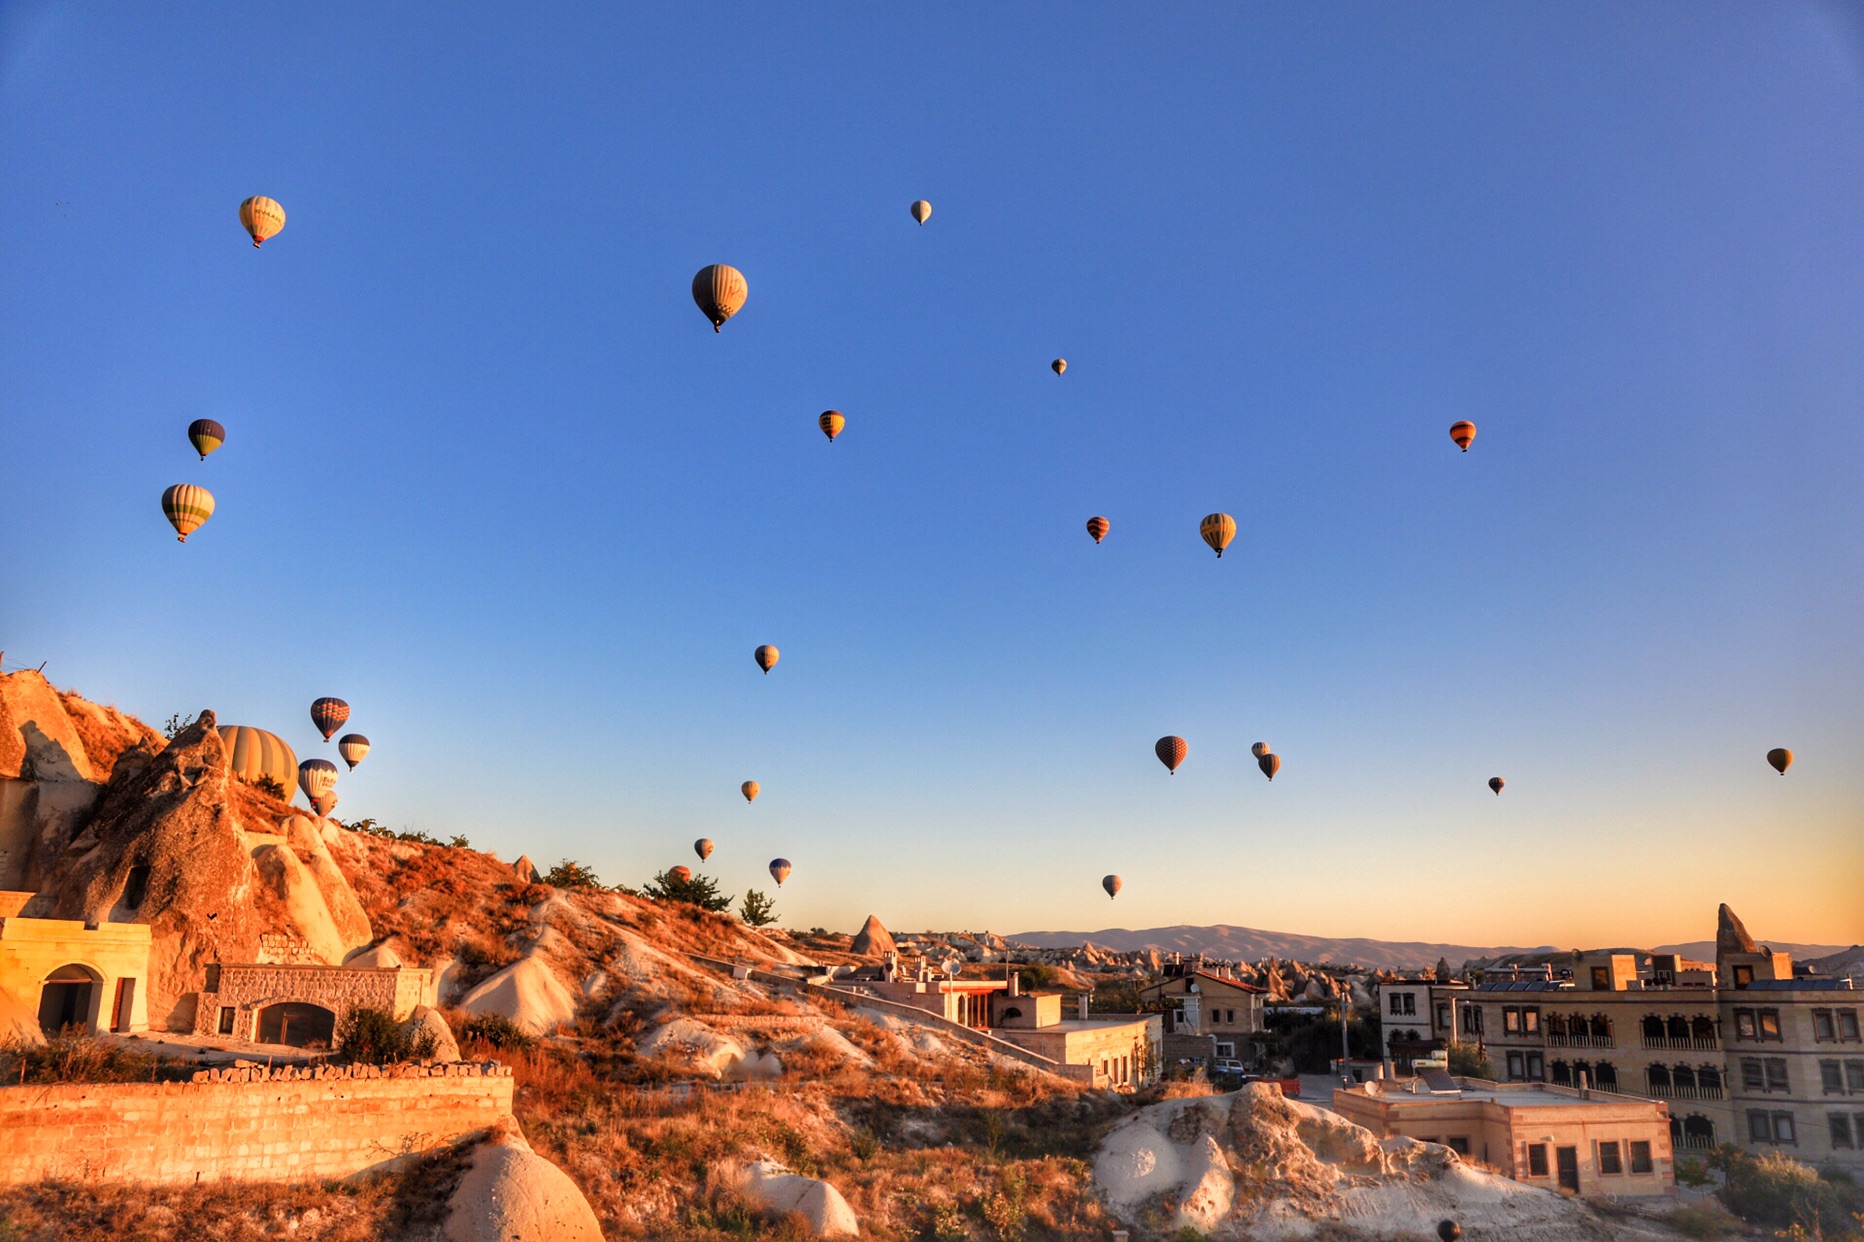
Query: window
point(1607, 1079)
point(1511, 1021)
point(1601, 979)
point(1832, 1077)
point(1562, 1074)
point(226, 1019)
point(1770, 1024)
point(1709, 1079)
point(1516, 1069)
point(1854, 1075)
point(1823, 1028)
point(1640, 1156)
point(1744, 975)
point(1396, 1007)
point(1841, 1130)
point(1783, 1128)
point(1536, 1071)
point(1848, 1024)
point(1776, 1074)
point(1530, 1021)
point(1760, 1129)
point(1609, 1159)
point(1458, 1143)
point(1229, 1015)
point(1753, 1078)
point(1744, 1024)
point(1537, 1160)
point(1443, 1016)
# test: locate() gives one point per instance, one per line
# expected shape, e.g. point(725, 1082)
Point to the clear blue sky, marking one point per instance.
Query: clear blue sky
point(492, 478)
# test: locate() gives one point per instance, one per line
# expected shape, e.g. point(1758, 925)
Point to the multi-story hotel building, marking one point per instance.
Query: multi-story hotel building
point(1742, 1050)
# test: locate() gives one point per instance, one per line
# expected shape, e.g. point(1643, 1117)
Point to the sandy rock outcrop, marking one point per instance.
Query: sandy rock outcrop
point(772, 1187)
point(428, 1022)
point(1256, 1164)
point(694, 1045)
point(528, 992)
point(512, 1194)
point(525, 869)
point(873, 940)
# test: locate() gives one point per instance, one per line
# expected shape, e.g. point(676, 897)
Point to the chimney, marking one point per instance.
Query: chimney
point(1016, 983)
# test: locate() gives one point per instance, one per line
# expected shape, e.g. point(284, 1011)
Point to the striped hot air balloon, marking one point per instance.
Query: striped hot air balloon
point(1270, 763)
point(703, 848)
point(1113, 884)
point(329, 715)
point(1098, 528)
point(324, 803)
point(750, 790)
point(1260, 749)
point(766, 657)
point(206, 435)
point(720, 290)
point(780, 870)
point(922, 211)
point(1464, 433)
point(187, 506)
point(352, 746)
point(831, 424)
point(317, 777)
point(1171, 751)
point(263, 218)
point(1218, 529)
point(253, 754)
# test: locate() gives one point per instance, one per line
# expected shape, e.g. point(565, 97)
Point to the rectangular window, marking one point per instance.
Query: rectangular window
point(1443, 1016)
point(1783, 1128)
point(1640, 1156)
point(1744, 975)
point(1776, 1074)
point(1396, 1007)
point(1609, 1159)
point(1854, 1075)
point(1410, 1005)
point(226, 1019)
point(1516, 1070)
point(1458, 1143)
point(1760, 1130)
point(1753, 1078)
point(1841, 1130)
point(1744, 1024)
point(1770, 1024)
point(1536, 1069)
point(1601, 979)
point(1537, 1160)
point(1832, 1077)
point(1823, 1028)
point(1530, 1021)
point(1511, 1021)
point(1848, 1024)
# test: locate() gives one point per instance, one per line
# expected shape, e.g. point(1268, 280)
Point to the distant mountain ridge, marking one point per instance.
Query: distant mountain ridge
point(1250, 944)
point(1704, 950)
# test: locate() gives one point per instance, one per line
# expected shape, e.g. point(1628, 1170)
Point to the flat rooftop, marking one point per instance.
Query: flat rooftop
point(1507, 1094)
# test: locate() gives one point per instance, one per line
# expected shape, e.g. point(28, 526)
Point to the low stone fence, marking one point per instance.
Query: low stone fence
point(245, 1123)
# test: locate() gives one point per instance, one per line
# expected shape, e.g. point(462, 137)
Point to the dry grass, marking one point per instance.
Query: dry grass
point(78, 1057)
point(106, 732)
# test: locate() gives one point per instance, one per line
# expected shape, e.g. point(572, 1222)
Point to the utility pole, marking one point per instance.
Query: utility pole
point(1346, 1052)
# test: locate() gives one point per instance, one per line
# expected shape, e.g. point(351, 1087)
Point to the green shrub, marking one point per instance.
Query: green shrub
point(1778, 1191)
point(1469, 1061)
point(374, 1037)
point(568, 873)
point(497, 1030)
point(697, 890)
point(758, 910)
point(1697, 1222)
point(266, 785)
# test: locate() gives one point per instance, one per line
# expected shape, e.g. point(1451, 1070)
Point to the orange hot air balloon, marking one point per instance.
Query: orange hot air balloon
point(328, 715)
point(1098, 528)
point(187, 506)
point(1496, 783)
point(1113, 884)
point(681, 873)
point(323, 804)
point(720, 290)
point(1781, 758)
point(1171, 751)
point(1270, 764)
point(263, 218)
point(1260, 749)
point(703, 848)
point(922, 211)
point(780, 870)
point(1059, 365)
point(766, 657)
point(1218, 529)
point(750, 790)
point(1464, 433)
point(831, 424)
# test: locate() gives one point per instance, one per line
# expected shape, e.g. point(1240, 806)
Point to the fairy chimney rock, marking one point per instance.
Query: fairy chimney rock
point(873, 940)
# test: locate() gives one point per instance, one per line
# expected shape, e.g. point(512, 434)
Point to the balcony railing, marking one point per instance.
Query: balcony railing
point(1687, 1093)
point(1680, 1044)
point(1555, 1040)
point(1693, 1142)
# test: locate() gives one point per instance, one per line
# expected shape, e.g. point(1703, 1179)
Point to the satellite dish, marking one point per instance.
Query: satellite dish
point(952, 967)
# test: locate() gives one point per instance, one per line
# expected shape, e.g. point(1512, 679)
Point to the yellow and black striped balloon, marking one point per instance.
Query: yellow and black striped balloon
point(1464, 433)
point(720, 290)
point(1098, 528)
point(831, 424)
point(206, 435)
point(1218, 529)
point(254, 753)
point(263, 218)
point(353, 747)
point(187, 506)
point(1059, 365)
point(766, 657)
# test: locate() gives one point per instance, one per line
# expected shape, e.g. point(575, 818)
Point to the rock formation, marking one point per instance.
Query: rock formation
point(873, 940)
point(778, 1191)
point(512, 1194)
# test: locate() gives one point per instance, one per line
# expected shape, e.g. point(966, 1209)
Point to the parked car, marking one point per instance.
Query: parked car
point(1226, 1065)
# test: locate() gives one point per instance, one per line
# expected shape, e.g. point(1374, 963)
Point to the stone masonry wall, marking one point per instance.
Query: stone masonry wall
point(249, 987)
point(245, 1124)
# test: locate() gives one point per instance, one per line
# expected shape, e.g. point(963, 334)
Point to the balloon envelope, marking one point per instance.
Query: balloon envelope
point(1260, 749)
point(1781, 758)
point(681, 873)
point(1464, 433)
point(720, 290)
point(317, 777)
point(1269, 763)
point(1098, 528)
point(206, 435)
point(187, 506)
point(780, 870)
point(1171, 752)
point(922, 211)
point(1059, 365)
point(328, 715)
point(254, 753)
point(325, 803)
point(703, 848)
point(1218, 529)
point(831, 423)
point(1496, 783)
point(263, 218)
point(750, 790)
point(1113, 884)
point(766, 657)
point(352, 746)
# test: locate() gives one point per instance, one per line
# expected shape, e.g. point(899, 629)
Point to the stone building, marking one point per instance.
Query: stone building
point(302, 1005)
point(1418, 1018)
point(1211, 1002)
point(56, 973)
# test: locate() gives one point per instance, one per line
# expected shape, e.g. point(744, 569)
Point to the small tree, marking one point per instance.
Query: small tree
point(757, 910)
point(373, 1037)
point(1469, 1061)
point(694, 890)
point(568, 873)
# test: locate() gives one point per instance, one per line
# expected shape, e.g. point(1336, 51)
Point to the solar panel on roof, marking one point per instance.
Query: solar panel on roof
point(1437, 1079)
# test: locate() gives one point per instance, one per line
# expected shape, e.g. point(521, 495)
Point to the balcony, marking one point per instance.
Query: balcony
point(1675, 1044)
point(1693, 1142)
point(1686, 1093)
point(1580, 1041)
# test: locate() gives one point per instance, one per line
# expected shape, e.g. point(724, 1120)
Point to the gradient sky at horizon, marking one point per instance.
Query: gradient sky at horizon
point(491, 477)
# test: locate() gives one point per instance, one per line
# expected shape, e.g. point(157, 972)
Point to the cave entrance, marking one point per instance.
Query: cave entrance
point(298, 1024)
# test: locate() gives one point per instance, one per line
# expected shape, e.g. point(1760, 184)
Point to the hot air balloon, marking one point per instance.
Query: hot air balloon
point(922, 211)
point(263, 218)
point(780, 870)
point(328, 715)
point(831, 423)
point(1270, 763)
point(324, 803)
point(253, 754)
point(1171, 752)
point(1059, 365)
point(750, 790)
point(352, 746)
point(766, 657)
point(187, 506)
point(1781, 758)
point(1260, 749)
point(720, 290)
point(1218, 529)
point(682, 873)
point(206, 435)
point(1449, 1230)
point(1098, 528)
point(1464, 433)
point(317, 776)
point(1496, 783)
point(703, 848)
point(1113, 884)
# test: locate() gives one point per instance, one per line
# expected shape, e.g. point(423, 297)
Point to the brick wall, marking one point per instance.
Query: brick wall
point(245, 1124)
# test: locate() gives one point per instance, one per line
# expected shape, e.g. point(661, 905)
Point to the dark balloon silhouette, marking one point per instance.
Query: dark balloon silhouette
point(1781, 758)
point(1171, 750)
point(1098, 528)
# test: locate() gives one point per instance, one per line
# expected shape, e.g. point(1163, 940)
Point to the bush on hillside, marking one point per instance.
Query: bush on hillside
point(496, 1030)
point(568, 873)
point(266, 785)
point(1778, 1191)
point(758, 910)
point(374, 1037)
point(697, 890)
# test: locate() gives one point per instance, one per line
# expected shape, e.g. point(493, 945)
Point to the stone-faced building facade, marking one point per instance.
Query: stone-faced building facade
point(302, 1005)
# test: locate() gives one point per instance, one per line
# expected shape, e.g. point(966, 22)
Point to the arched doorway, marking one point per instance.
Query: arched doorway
point(298, 1024)
point(67, 998)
